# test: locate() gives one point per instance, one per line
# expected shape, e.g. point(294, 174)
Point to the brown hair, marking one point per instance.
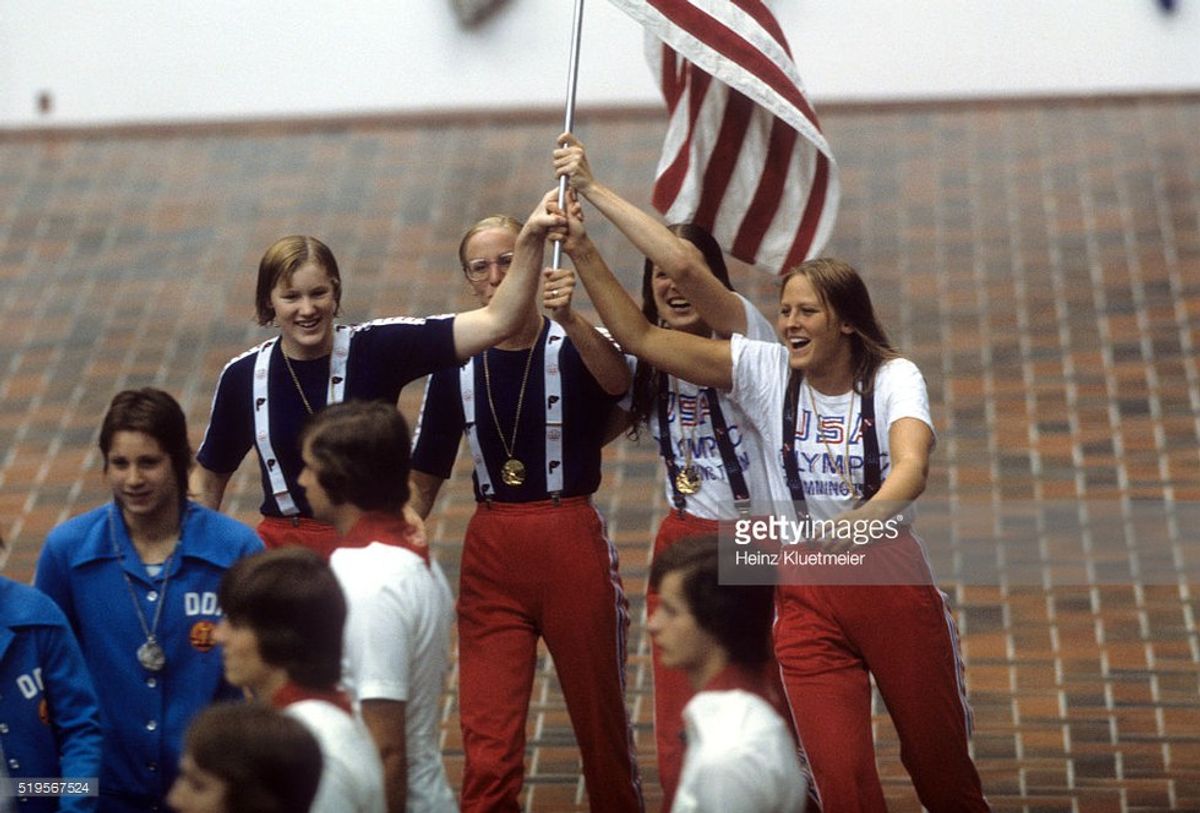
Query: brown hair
point(362, 452)
point(283, 259)
point(645, 376)
point(269, 762)
point(489, 222)
point(292, 601)
point(155, 413)
point(843, 291)
point(739, 616)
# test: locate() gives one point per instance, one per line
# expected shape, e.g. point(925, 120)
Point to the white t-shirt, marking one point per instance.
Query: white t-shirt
point(398, 648)
point(740, 758)
point(690, 425)
point(760, 374)
point(352, 777)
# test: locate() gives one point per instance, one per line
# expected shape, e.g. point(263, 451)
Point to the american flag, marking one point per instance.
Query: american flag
point(744, 155)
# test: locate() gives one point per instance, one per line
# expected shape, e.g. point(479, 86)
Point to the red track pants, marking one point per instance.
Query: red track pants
point(830, 639)
point(530, 570)
point(281, 532)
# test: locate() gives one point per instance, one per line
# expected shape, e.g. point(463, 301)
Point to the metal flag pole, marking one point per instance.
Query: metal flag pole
point(569, 118)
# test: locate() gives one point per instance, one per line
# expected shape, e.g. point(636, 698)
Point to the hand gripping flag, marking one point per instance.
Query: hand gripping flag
point(744, 155)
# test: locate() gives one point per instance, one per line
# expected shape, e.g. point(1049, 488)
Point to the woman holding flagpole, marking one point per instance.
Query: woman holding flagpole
point(537, 562)
point(714, 463)
point(846, 421)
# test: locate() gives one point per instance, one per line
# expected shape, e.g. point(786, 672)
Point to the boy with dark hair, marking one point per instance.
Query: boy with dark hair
point(240, 758)
point(281, 636)
point(400, 607)
point(740, 757)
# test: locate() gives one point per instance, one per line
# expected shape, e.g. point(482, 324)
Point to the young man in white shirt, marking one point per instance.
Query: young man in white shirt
point(281, 632)
point(740, 757)
point(356, 466)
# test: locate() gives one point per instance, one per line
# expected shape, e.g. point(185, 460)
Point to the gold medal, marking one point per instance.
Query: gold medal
point(512, 472)
point(687, 480)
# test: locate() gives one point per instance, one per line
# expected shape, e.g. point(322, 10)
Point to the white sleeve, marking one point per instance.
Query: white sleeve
point(379, 645)
point(725, 782)
point(901, 392)
point(336, 788)
point(756, 371)
point(758, 327)
point(626, 402)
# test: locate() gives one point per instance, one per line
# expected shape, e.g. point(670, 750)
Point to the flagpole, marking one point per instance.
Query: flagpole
point(569, 118)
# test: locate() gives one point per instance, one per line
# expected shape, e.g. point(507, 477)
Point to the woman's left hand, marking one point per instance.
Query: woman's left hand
point(558, 286)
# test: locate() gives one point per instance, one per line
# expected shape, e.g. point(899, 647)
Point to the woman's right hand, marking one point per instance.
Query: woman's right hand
point(546, 221)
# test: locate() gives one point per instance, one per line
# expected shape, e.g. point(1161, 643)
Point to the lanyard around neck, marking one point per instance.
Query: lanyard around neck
point(335, 392)
point(553, 404)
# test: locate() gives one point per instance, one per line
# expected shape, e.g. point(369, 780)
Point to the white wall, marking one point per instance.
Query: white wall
point(147, 60)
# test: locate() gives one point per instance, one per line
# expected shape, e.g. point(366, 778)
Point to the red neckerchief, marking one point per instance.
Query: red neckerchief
point(291, 693)
point(390, 529)
point(737, 676)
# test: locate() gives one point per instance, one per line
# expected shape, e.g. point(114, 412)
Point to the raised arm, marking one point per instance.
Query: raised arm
point(674, 256)
point(601, 357)
point(706, 362)
point(483, 327)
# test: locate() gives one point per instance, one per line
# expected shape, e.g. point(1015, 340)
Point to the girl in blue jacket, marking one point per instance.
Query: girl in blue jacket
point(137, 579)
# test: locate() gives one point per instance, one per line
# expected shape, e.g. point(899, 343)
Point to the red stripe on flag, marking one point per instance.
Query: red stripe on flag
point(723, 159)
point(763, 16)
point(672, 78)
point(765, 203)
point(670, 181)
point(812, 215)
point(736, 49)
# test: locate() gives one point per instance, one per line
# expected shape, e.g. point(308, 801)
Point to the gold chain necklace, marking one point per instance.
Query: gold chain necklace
point(288, 363)
point(687, 479)
point(513, 470)
point(843, 474)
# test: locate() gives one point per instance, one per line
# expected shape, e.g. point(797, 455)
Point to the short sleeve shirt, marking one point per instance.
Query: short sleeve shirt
point(829, 428)
point(586, 409)
point(385, 354)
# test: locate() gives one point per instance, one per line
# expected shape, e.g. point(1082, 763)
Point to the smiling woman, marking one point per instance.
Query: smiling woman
point(847, 420)
point(265, 395)
point(531, 409)
point(708, 477)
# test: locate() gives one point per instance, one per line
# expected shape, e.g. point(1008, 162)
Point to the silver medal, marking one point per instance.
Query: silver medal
point(151, 655)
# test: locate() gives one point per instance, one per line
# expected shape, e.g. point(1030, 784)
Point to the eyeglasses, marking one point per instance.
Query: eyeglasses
point(479, 269)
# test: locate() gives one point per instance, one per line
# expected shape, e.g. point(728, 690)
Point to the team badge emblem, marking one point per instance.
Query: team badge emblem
point(201, 636)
